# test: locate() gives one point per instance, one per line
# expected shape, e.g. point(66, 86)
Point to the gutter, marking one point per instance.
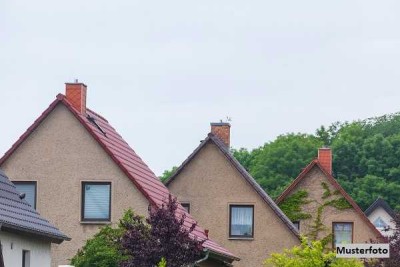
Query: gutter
point(203, 259)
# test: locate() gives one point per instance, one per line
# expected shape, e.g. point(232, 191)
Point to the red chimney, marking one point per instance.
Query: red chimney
point(223, 131)
point(76, 95)
point(325, 158)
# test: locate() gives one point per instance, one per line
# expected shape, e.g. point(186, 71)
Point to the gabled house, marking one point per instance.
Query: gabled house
point(25, 236)
point(321, 208)
point(382, 216)
point(226, 200)
point(81, 174)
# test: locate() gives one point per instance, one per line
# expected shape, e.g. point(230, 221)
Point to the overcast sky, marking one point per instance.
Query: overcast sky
point(161, 71)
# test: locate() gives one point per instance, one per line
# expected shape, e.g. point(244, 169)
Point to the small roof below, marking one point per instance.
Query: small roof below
point(17, 216)
point(380, 202)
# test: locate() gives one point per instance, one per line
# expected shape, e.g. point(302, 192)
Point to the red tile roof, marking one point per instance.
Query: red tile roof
point(129, 162)
point(336, 185)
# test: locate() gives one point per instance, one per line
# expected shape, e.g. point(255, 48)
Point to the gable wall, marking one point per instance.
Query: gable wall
point(210, 183)
point(59, 155)
point(381, 212)
point(312, 184)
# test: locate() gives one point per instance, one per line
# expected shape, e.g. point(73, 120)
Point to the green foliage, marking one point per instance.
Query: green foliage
point(291, 206)
point(327, 192)
point(102, 250)
point(167, 173)
point(339, 203)
point(366, 158)
point(162, 263)
point(307, 255)
point(277, 163)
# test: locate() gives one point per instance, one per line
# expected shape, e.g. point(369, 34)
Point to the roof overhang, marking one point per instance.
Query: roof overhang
point(4, 227)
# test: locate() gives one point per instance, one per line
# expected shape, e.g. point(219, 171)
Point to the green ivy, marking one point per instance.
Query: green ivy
point(291, 206)
point(338, 203)
point(327, 192)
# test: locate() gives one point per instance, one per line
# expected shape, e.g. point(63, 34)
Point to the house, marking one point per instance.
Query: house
point(322, 209)
point(382, 216)
point(82, 175)
point(226, 200)
point(25, 235)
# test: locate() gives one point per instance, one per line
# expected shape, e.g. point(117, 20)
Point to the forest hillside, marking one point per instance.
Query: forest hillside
point(366, 158)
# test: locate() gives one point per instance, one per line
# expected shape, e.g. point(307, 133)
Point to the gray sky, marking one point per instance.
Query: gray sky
point(161, 71)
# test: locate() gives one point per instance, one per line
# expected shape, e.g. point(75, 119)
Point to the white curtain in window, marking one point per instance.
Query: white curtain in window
point(242, 221)
point(97, 201)
point(343, 233)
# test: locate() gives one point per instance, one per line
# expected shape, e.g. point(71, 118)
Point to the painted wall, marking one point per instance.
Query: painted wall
point(59, 155)
point(210, 184)
point(380, 212)
point(14, 244)
point(312, 183)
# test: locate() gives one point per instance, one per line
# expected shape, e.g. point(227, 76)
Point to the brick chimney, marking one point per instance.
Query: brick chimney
point(223, 131)
point(325, 158)
point(76, 95)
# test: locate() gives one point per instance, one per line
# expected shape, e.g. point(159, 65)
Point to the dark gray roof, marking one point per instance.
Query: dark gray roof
point(379, 202)
point(268, 200)
point(16, 215)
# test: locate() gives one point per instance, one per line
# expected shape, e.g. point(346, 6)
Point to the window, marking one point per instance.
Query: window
point(342, 233)
point(96, 201)
point(380, 224)
point(26, 258)
point(29, 189)
point(186, 206)
point(241, 223)
point(297, 224)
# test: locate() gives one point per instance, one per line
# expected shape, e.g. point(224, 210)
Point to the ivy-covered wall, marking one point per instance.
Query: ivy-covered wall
point(317, 204)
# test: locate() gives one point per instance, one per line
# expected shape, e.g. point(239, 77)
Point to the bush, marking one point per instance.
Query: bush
point(307, 255)
point(102, 250)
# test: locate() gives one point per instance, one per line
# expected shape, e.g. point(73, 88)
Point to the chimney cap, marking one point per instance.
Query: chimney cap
point(324, 148)
point(74, 83)
point(220, 124)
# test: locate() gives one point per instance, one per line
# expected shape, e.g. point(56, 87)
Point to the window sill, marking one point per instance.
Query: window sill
point(241, 238)
point(96, 222)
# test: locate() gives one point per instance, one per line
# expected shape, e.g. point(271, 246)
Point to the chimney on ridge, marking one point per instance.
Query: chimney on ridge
point(76, 95)
point(325, 158)
point(223, 131)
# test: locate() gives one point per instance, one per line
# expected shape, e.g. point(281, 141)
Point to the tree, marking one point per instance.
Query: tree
point(167, 173)
point(307, 255)
point(366, 158)
point(163, 235)
point(277, 163)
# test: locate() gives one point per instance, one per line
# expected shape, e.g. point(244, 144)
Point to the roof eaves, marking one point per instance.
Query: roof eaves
point(379, 202)
point(224, 256)
point(52, 237)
